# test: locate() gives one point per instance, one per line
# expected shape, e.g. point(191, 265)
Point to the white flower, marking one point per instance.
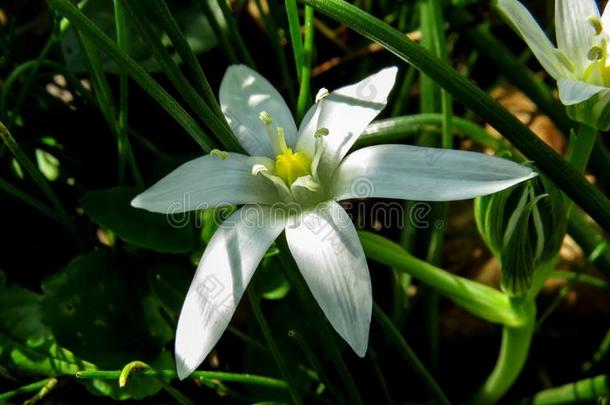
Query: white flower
point(292, 183)
point(580, 61)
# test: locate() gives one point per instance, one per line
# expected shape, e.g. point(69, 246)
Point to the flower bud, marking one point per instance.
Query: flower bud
point(523, 227)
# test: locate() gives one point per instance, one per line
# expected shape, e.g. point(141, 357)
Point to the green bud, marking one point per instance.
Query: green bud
point(523, 227)
point(594, 112)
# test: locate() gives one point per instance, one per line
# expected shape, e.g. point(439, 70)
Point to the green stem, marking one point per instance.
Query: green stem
point(513, 356)
point(550, 163)
point(275, 352)
point(581, 148)
point(590, 239)
point(483, 301)
point(580, 277)
point(410, 356)
point(588, 390)
point(26, 389)
point(304, 96)
point(599, 355)
point(250, 379)
point(399, 129)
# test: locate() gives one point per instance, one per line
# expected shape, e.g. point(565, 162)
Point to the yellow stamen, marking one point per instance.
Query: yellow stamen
point(289, 166)
point(597, 24)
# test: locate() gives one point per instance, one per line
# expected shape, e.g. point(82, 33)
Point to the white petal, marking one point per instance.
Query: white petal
point(244, 94)
point(425, 174)
point(533, 35)
point(306, 142)
point(207, 182)
point(575, 34)
point(325, 246)
point(222, 276)
point(574, 92)
point(606, 18)
point(346, 112)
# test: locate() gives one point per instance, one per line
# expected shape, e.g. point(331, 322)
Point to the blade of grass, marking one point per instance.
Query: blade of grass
point(409, 355)
point(550, 163)
point(317, 316)
point(175, 34)
point(29, 200)
point(107, 105)
point(124, 146)
point(221, 35)
point(273, 33)
point(294, 28)
point(38, 178)
point(219, 127)
point(236, 37)
point(128, 65)
point(279, 359)
point(21, 97)
point(304, 98)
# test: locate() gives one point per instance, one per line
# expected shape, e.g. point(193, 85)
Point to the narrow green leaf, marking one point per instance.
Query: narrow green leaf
point(217, 124)
point(105, 44)
point(409, 355)
point(304, 90)
point(294, 28)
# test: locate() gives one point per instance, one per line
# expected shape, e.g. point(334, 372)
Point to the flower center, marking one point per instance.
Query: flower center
point(289, 165)
point(598, 73)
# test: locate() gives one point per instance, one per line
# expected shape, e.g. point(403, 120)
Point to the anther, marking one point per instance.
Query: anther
point(321, 94)
point(595, 53)
point(220, 154)
point(597, 25)
point(321, 132)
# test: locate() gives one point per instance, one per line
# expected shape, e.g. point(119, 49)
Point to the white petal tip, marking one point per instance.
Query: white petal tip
point(183, 369)
point(361, 351)
point(137, 202)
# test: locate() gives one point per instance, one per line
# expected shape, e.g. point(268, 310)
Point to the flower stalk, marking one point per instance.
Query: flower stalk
point(514, 351)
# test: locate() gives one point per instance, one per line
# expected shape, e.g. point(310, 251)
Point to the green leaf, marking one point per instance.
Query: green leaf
point(194, 24)
point(111, 209)
point(170, 284)
point(26, 344)
point(270, 279)
point(99, 308)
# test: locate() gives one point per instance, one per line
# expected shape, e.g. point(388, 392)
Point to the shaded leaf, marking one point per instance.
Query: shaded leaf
point(98, 308)
point(26, 343)
point(111, 209)
point(195, 26)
